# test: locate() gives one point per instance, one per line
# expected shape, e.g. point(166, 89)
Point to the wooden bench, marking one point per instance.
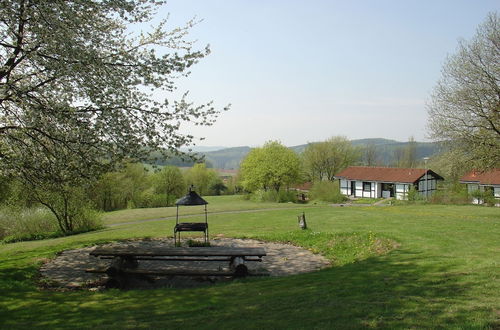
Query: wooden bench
point(126, 261)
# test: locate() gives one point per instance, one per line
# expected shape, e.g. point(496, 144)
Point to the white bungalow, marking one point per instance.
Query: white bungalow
point(485, 182)
point(376, 182)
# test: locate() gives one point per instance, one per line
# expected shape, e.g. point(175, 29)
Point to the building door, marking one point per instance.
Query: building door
point(353, 188)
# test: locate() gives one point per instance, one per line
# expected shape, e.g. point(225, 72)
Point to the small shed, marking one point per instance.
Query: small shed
point(191, 199)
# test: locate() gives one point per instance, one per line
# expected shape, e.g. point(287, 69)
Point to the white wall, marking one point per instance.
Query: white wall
point(359, 189)
point(344, 187)
point(402, 191)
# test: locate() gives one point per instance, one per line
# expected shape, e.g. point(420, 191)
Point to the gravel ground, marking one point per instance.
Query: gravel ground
point(67, 270)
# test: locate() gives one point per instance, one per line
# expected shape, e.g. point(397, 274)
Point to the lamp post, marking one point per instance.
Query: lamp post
point(426, 187)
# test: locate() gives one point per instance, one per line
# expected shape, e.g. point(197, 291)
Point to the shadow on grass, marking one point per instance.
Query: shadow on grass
point(400, 290)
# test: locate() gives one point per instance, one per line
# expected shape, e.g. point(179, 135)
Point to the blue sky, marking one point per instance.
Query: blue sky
point(303, 71)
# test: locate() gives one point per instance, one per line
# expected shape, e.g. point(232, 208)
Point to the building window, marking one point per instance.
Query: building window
point(367, 186)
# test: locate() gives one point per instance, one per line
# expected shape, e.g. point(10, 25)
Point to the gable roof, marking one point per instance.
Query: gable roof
point(385, 174)
point(191, 198)
point(486, 178)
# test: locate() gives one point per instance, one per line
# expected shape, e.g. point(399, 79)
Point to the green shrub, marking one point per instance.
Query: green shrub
point(282, 196)
point(194, 243)
point(327, 191)
point(450, 195)
point(414, 195)
point(26, 224)
point(87, 219)
point(486, 197)
point(148, 198)
point(17, 223)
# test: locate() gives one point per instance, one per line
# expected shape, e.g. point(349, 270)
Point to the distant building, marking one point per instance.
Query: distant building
point(488, 182)
point(376, 182)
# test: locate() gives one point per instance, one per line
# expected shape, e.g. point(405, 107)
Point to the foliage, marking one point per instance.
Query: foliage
point(21, 224)
point(79, 93)
point(73, 78)
point(450, 193)
point(371, 155)
point(327, 191)
point(281, 196)
point(451, 164)
point(484, 196)
point(201, 178)
point(406, 156)
point(17, 222)
point(465, 102)
point(414, 195)
point(121, 189)
point(272, 166)
point(169, 182)
point(218, 187)
point(322, 160)
point(195, 243)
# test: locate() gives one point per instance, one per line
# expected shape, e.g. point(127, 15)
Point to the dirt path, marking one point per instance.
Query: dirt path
point(68, 269)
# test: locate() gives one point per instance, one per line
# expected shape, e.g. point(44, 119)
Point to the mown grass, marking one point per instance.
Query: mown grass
point(444, 274)
point(215, 204)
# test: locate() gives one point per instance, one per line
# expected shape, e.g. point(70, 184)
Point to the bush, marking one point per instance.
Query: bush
point(19, 224)
point(283, 196)
point(149, 198)
point(485, 197)
point(25, 224)
point(414, 195)
point(327, 191)
point(452, 194)
point(86, 220)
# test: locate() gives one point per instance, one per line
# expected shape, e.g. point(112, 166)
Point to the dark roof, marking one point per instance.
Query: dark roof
point(486, 178)
point(191, 198)
point(385, 174)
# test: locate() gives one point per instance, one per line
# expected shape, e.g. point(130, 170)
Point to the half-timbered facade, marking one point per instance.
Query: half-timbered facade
point(376, 182)
point(488, 182)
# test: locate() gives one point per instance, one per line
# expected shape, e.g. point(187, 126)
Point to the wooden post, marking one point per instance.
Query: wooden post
point(302, 221)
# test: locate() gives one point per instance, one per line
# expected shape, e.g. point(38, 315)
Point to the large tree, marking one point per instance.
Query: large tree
point(81, 89)
point(270, 167)
point(169, 181)
point(465, 107)
point(322, 160)
point(201, 177)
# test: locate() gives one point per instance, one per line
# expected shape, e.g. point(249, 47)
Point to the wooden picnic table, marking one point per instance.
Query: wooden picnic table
point(126, 260)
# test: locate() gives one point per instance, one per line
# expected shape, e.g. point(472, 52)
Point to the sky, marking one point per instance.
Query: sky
point(303, 71)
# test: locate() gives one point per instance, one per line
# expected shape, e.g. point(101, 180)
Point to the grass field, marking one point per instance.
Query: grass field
point(215, 204)
point(444, 274)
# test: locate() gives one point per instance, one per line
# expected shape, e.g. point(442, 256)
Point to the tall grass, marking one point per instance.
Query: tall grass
point(273, 196)
point(26, 223)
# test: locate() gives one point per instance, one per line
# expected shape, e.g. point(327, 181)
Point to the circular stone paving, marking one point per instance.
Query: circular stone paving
point(67, 270)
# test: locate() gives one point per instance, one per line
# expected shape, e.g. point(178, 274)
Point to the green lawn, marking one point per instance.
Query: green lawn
point(445, 274)
point(215, 204)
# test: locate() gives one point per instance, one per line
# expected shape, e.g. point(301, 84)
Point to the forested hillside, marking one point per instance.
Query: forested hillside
point(387, 151)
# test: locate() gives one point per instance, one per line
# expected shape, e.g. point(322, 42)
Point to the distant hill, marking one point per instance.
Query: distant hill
point(230, 158)
point(202, 149)
point(387, 148)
